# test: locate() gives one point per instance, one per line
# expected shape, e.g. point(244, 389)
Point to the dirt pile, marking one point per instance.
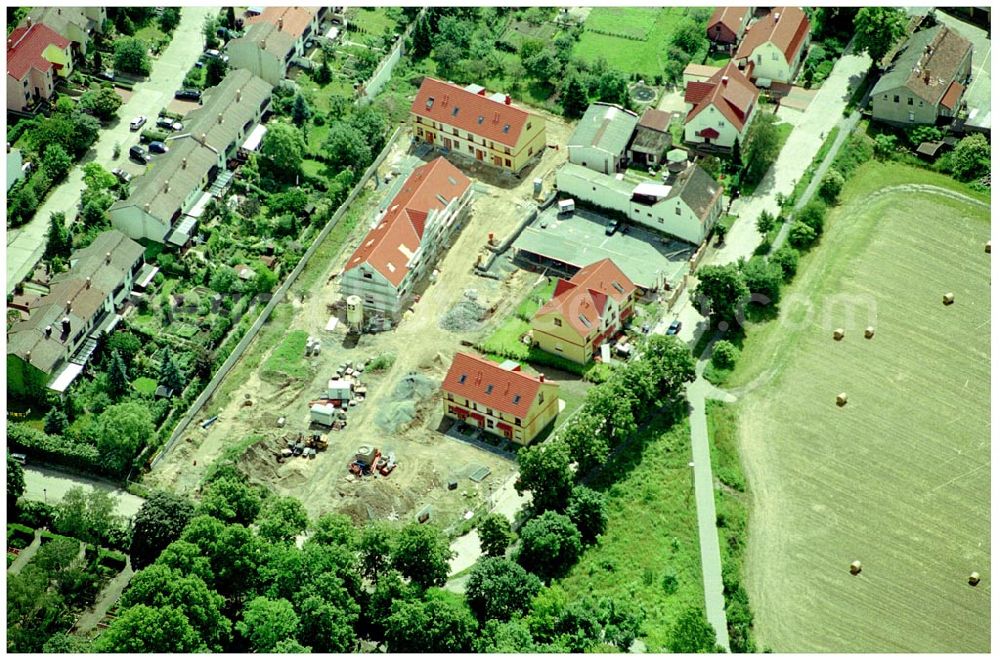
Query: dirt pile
point(466, 315)
point(401, 408)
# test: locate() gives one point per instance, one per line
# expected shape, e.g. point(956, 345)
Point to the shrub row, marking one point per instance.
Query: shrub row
point(56, 449)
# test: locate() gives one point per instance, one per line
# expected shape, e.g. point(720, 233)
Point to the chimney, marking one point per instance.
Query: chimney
point(482, 92)
point(777, 15)
point(107, 258)
point(506, 100)
point(725, 80)
point(166, 186)
point(261, 44)
point(27, 357)
point(48, 331)
point(10, 43)
point(69, 306)
point(220, 117)
point(88, 282)
point(184, 163)
point(204, 138)
point(27, 22)
point(541, 378)
point(281, 23)
point(65, 325)
point(146, 207)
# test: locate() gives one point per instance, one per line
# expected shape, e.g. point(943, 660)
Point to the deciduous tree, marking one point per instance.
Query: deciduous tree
point(131, 56)
point(421, 554)
point(15, 482)
point(281, 152)
point(266, 622)
point(588, 510)
point(494, 535)
point(146, 630)
point(499, 589)
point(281, 519)
point(545, 472)
point(437, 623)
point(877, 29)
point(692, 633)
point(722, 291)
point(725, 354)
point(550, 545)
point(121, 431)
point(160, 520)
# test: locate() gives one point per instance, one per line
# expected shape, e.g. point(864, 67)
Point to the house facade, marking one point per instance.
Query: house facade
point(36, 57)
point(300, 23)
point(926, 81)
point(78, 24)
point(499, 398)
point(50, 348)
point(467, 121)
point(727, 25)
point(408, 234)
point(601, 137)
point(720, 109)
point(265, 51)
point(774, 46)
point(584, 312)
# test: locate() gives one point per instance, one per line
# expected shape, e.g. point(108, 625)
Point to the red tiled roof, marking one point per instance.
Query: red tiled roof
point(486, 383)
point(402, 227)
point(291, 20)
point(25, 46)
point(471, 112)
point(735, 98)
point(787, 33)
point(731, 17)
point(586, 294)
point(658, 120)
point(951, 97)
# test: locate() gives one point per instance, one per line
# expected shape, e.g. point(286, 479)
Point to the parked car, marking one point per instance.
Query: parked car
point(674, 328)
point(188, 95)
point(107, 74)
point(167, 123)
point(137, 153)
point(123, 176)
point(137, 123)
point(610, 228)
point(213, 54)
point(19, 458)
point(158, 147)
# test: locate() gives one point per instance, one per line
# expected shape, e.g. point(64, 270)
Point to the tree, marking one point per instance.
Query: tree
point(763, 279)
point(884, 145)
point(15, 482)
point(300, 111)
point(688, 36)
point(421, 37)
point(550, 544)
point(371, 122)
point(588, 446)
point(170, 375)
point(437, 623)
point(692, 633)
point(831, 185)
point(266, 622)
point(121, 431)
point(612, 87)
point(766, 222)
point(801, 235)
point(421, 554)
point(231, 500)
point(55, 422)
point(223, 280)
point(325, 627)
point(118, 381)
point(722, 228)
point(33, 610)
point(724, 355)
point(56, 162)
point(209, 30)
point(169, 18)
point(761, 148)
point(291, 646)
point(545, 472)
point(281, 519)
point(59, 242)
point(103, 103)
point(722, 290)
point(512, 637)
point(813, 215)
point(146, 630)
point(499, 589)
point(543, 65)
point(281, 152)
point(87, 516)
point(64, 643)
point(971, 158)
point(231, 17)
point(160, 521)
point(186, 558)
point(375, 549)
point(264, 279)
point(787, 259)
point(877, 29)
point(588, 510)
point(494, 535)
point(389, 589)
point(346, 147)
point(334, 529)
point(131, 56)
point(614, 404)
point(575, 98)
point(215, 71)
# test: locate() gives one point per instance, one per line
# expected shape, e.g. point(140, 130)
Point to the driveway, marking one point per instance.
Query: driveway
point(49, 486)
point(26, 244)
point(978, 93)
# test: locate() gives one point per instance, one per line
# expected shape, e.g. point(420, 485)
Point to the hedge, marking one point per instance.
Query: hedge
point(56, 449)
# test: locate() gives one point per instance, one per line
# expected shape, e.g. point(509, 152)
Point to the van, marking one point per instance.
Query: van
point(137, 153)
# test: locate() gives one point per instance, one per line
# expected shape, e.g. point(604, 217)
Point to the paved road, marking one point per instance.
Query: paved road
point(26, 244)
point(48, 485)
point(506, 501)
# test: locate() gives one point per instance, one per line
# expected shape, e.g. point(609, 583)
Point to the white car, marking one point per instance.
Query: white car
point(137, 123)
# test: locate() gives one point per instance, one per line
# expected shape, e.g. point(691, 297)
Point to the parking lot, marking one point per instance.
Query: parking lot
point(649, 259)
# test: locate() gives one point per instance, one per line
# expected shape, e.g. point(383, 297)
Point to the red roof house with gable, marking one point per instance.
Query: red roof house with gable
point(499, 398)
point(36, 54)
point(300, 23)
point(480, 126)
point(407, 236)
point(727, 24)
point(774, 45)
point(584, 311)
point(720, 109)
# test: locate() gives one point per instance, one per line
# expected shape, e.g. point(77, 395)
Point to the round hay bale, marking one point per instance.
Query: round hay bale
point(838, 334)
point(855, 567)
point(949, 298)
point(869, 332)
point(974, 579)
point(842, 399)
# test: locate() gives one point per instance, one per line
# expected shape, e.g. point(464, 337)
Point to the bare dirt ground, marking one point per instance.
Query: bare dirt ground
point(427, 458)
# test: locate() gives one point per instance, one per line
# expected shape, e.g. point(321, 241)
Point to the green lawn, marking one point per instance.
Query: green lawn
point(538, 297)
point(506, 339)
point(652, 529)
point(646, 56)
point(144, 385)
point(288, 358)
point(151, 33)
point(373, 20)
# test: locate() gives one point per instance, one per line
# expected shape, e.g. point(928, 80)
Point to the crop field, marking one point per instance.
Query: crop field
point(899, 478)
point(632, 39)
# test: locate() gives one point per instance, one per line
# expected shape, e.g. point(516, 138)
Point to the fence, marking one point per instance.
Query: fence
point(278, 296)
point(383, 73)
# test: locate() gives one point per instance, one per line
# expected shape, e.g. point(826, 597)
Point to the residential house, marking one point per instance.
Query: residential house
point(467, 121)
point(499, 398)
point(774, 46)
point(584, 312)
point(264, 50)
point(408, 234)
point(78, 24)
point(698, 72)
point(300, 23)
point(51, 347)
point(926, 81)
point(686, 209)
point(720, 109)
point(36, 56)
point(652, 138)
point(165, 203)
point(601, 137)
point(727, 25)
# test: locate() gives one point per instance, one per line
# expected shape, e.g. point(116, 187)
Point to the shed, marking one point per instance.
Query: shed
point(323, 414)
point(339, 389)
point(163, 392)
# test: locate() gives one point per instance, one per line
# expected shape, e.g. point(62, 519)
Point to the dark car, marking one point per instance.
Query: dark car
point(158, 147)
point(188, 95)
point(170, 124)
point(610, 228)
point(137, 153)
point(674, 328)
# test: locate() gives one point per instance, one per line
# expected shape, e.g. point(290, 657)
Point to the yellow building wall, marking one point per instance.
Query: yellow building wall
point(548, 336)
point(530, 143)
point(56, 55)
point(538, 417)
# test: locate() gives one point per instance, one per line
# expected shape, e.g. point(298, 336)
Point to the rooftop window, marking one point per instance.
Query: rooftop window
point(430, 102)
point(517, 399)
point(489, 389)
point(585, 321)
point(480, 119)
point(462, 378)
point(454, 111)
point(506, 128)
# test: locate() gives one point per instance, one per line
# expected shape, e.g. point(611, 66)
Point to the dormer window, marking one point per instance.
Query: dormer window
point(462, 378)
point(480, 119)
point(454, 111)
point(506, 128)
point(489, 389)
point(430, 102)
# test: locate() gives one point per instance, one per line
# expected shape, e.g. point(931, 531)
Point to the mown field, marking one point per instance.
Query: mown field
point(632, 39)
point(899, 478)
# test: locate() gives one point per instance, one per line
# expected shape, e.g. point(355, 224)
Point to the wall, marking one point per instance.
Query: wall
point(137, 224)
point(244, 54)
point(711, 117)
point(598, 160)
point(769, 62)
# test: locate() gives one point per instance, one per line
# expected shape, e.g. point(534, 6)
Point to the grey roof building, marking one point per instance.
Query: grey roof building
point(601, 137)
point(652, 138)
point(265, 50)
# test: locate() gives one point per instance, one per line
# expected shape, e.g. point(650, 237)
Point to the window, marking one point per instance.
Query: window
point(489, 389)
point(911, 116)
point(677, 210)
point(468, 136)
point(895, 98)
point(559, 347)
point(370, 300)
point(541, 397)
point(462, 378)
point(721, 125)
point(531, 150)
point(489, 411)
point(517, 421)
point(774, 56)
point(492, 146)
point(489, 423)
point(466, 403)
point(470, 149)
point(420, 120)
point(430, 102)
point(517, 399)
point(454, 131)
point(557, 321)
point(479, 120)
point(758, 59)
point(451, 398)
point(649, 214)
point(454, 111)
point(909, 101)
point(507, 162)
point(506, 150)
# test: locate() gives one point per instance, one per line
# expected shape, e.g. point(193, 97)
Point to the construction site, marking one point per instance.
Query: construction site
point(356, 425)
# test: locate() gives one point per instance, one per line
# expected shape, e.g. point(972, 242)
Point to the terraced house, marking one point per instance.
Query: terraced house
point(408, 234)
point(499, 398)
point(264, 50)
point(299, 23)
point(467, 121)
point(584, 311)
point(51, 347)
point(36, 56)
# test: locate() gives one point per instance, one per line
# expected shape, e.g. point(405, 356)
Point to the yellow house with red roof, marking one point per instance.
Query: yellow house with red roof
point(467, 121)
point(584, 312)
point(499, 398)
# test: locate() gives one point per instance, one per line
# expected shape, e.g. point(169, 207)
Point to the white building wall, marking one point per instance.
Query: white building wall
point(712, 117)
point(377, 293)
point(135, 223)
point(671, 216)
point(598, 160)
point(244, 54)
point(769, 62)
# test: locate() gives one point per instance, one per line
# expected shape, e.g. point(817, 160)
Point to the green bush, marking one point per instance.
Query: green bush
point(56, 449)
point(725, 354)
point(787, 258)
point(151, 135)
point(801, 235)
point(381, 362)
point(35, 514)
